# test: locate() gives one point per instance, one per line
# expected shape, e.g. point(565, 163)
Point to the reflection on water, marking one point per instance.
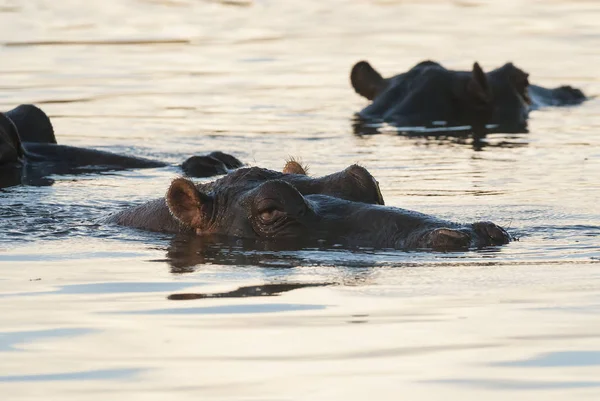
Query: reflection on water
point(229, 309)
point(10, 341)
point(361, 127)
point(444, 138)
point(108, 288)
point(108, 374)
point(265, 290)
point(88, 309)
point(512, 385)
point(187, 251)
point(554, 359)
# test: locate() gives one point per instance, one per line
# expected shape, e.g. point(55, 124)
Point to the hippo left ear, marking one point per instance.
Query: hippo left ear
point(477, 86)
point(365, 80)
point(187, 204)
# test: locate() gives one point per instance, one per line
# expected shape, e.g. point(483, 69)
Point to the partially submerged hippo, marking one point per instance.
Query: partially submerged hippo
point(343, 208)
point(28, 149)
point(429, 95)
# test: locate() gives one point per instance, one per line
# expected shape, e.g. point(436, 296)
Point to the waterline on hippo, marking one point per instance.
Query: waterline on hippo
point(345, 208)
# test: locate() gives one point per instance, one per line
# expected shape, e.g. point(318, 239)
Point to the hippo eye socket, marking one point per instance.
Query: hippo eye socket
point(269, 211)
point(275, 209)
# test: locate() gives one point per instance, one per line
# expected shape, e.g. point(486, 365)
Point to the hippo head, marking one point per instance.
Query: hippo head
point(253, 202)
point(427, 95)
point(343, 208)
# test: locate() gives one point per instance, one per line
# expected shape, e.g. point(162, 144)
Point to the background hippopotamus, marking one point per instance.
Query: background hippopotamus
point(431, 95)
point(27, 141)
point(343, 208)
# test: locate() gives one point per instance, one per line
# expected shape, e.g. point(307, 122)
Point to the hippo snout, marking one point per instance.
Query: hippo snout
point(480, 234)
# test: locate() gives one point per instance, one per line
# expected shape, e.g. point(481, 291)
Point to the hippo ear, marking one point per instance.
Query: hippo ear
point(365, 80)
point(293, 166)
point(32, 123)
point(231, 162)
point(186, 203)
point(478, 87)
point(203, 166)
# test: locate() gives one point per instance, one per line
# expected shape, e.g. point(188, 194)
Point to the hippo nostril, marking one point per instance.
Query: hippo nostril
point(446, 238)
point(569, 95)
point(490, 233)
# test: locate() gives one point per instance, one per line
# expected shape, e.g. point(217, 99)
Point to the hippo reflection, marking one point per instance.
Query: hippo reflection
point(291, 208)
point(430, 95)
point(264, 290)
point(29, 152)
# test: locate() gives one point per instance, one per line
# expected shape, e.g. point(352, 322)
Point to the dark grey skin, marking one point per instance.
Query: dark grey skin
point(265, 205)
point(429, 93)
point(29, 153)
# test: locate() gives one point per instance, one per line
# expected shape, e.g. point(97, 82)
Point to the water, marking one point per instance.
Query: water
point(97, 312)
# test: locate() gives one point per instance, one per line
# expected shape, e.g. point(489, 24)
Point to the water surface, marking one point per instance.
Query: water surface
point(96, 312)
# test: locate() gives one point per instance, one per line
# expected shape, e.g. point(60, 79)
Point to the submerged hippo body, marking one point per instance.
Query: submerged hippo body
point(429, 95)
point(343, 208)
point(29, 151)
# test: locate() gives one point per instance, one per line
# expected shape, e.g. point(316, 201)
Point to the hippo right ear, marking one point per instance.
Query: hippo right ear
point(186, 203)
point(520, 81)
point(365, 80)
point(293, 166)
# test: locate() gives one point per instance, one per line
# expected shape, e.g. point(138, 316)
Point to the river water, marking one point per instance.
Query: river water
point(95, 312)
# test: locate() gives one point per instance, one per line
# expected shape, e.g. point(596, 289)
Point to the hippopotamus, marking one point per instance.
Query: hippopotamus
point(430, 95)
point(290, 207)
point(29, 150)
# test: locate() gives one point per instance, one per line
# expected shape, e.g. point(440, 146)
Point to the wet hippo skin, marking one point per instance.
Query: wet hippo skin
point(343, 208)
point(430, 95)
point(28, 144)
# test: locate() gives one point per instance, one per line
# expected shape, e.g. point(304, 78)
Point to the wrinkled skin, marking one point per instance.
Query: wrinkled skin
point(343, 208)
point(29, 153)
point(428, 94)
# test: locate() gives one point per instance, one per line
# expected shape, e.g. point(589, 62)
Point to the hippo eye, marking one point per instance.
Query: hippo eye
point(270, 215)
